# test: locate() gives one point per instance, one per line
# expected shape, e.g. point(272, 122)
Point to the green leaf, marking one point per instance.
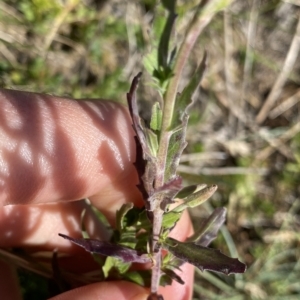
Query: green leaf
point(176, 146)
point(188, 190)
point(159, 24)
point(100, 216)
point(150, 61)
point(158, 62)
point(200, 196)
point(114, 266)
point(121, 213)
point(152, 141)
point(133, 215)
point(171, 261)
point(196, 198)
point(185, 98)
point(156, 117)
point(163, 47)
point(142, 243)
point(127, 238)
point(204, 258)
point(170, 219)
point(143, 221)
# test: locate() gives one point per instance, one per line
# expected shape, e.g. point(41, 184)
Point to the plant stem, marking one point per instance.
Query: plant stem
point(201, 18)
point(156, 252)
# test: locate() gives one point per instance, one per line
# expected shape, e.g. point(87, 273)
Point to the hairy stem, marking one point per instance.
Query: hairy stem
point(203, 16)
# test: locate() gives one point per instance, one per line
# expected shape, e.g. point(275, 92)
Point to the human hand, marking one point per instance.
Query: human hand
point(54, 151)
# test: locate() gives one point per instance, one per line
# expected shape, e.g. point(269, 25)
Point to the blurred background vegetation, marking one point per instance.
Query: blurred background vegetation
point(244, 126)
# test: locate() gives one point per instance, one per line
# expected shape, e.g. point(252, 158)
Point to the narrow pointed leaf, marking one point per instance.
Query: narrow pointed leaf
point(185, 98)
point(170, 273)
point(163, 47)
point(175, 148)
point(133, 109)
point(209, 228)
point(109, 249)
point(152, 141)
point(197, 198)
point(121, 213)
point(145, 162)
point(204, 258)
point(150, 60)
point(188, 190)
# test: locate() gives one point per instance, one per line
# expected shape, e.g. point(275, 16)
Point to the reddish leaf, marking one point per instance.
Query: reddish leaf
point(145, 163)
point(209, 228)
point(109, 249)
point(169, 191)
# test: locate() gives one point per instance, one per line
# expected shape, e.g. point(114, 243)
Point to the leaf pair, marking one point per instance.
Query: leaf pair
point(193, 251)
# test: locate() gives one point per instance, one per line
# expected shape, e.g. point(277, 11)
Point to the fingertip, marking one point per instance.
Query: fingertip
point(120, 290)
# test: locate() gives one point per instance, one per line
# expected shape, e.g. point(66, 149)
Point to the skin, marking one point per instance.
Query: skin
point(53, 153)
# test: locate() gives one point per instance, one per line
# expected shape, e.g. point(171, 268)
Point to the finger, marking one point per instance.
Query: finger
point(106, 291)
point(37, 226)
point(54, 149)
